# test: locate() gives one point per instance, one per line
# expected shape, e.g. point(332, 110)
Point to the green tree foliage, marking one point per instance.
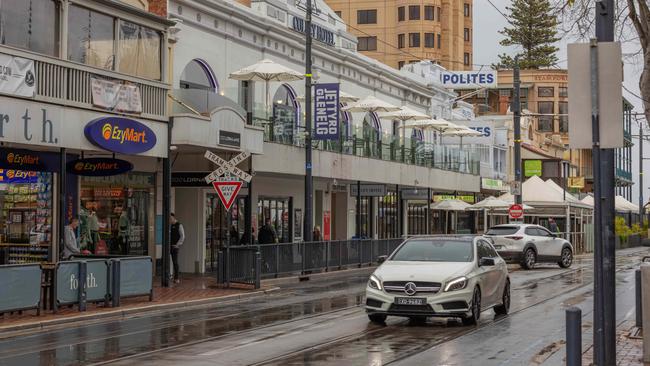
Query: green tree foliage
point(533, 27)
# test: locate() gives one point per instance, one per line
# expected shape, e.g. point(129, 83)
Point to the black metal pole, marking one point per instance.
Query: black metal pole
point(607, 356)
point(428, 225)
point(574, 336)
point(638, 297)
point(166, 209)
point(307, 232)
point(516, 111)
point(358, 215)
point(248, 211)
point(53, 253)
point(641, 203)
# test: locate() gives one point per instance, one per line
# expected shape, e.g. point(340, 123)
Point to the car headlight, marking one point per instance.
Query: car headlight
point(457, 284)
point(374, 283)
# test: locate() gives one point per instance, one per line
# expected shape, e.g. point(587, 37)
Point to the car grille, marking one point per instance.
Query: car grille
point(397, 287)
point(451, 305)
point(410, 309)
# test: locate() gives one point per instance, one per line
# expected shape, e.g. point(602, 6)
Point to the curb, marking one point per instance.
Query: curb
point(123, 313)
point(315, 276)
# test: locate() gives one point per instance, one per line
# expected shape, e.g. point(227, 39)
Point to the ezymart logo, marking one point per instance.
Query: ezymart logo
point(115, 133)
point(22, 159)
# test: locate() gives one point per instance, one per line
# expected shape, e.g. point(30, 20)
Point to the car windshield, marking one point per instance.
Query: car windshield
point(502, 230)
point(435, 251)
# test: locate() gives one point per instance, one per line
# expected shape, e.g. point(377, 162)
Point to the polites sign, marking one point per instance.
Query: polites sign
point(120, 135)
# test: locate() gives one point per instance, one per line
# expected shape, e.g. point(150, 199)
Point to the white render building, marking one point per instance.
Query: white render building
point(397, 176)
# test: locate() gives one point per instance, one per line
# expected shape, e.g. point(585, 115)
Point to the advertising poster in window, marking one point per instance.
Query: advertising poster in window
point(326, 112)
point(297, 225)
point(115, 96)
point(17, 76)
point(327, 218)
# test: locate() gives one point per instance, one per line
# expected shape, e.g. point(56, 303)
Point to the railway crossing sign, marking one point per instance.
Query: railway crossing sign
point(229, 185)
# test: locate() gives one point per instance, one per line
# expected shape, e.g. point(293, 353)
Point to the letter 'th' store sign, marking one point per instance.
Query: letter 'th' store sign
point(120, 135)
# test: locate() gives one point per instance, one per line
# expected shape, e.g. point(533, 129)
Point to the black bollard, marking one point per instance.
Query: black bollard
point(638, 298)
point(574, 337)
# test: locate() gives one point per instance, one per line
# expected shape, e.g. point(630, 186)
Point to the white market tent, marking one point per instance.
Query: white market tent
point(620, 204)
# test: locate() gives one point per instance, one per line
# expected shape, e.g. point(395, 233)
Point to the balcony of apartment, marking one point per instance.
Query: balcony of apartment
point(71, 84)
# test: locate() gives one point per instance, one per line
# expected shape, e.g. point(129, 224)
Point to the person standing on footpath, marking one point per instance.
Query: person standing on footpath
point(267, 234)
point(177, 237)
point(70, 244)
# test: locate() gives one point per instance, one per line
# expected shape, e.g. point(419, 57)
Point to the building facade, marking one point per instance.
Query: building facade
point(623, 156)
point(83, 126)
point(396, 169)
point(398, 32)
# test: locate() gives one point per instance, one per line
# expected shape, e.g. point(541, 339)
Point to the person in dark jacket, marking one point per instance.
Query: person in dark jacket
point(246, 239)
point(316, 235)
point(176, 239)
point(267, 233)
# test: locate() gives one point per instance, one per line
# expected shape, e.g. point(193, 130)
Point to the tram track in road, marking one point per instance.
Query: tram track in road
point(420, 342)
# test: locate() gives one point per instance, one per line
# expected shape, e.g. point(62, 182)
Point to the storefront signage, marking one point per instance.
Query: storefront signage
point(469, 79)
point(326, 111)
point(317, 32)
point(98, 167)
point(414, 194)
point(116, 96)
point(493, 184)
point(17, 76)
point(29, 160)
point(120, 135)
point(532, 167)
point(576, 182)
point(229, 138)
point(446, 197)
point(18, 176)
point(486, 131)
point(368, 190)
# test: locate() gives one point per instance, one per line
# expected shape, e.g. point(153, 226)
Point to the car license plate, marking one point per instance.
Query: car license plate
point(410, 301)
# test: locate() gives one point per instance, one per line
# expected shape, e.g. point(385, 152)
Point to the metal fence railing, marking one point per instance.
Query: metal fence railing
point(249, 264)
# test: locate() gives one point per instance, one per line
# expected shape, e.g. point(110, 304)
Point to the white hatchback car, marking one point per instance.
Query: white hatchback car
point(439, 276)
point(529, 244)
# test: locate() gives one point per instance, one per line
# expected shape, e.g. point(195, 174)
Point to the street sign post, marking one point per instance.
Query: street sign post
point(515, 188)
point(516, 212)
point(229, 186)
point(227, 191)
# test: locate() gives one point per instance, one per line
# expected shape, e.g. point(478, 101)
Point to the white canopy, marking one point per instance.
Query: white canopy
point(489, 203)
point(569, 197)
point(370, 104)
point(430, 124)
point(536, 192)
point(450, 205)
point(266, 70)
point(623, 205)
point(461, 132)
point(588, 200)
point(405, 114)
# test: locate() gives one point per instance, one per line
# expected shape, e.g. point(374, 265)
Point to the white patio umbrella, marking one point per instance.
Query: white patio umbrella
point(405, 114)
point(461, 132)
point(429, 124)
point(450, 205)
point(489, 204)
point(343, 97)
point(370, 104)
point(266, 71)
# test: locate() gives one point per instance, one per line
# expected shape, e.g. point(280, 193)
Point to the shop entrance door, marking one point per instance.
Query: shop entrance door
point(221, 227)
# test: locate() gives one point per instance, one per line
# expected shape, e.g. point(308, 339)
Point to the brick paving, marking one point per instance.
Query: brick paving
point(629, 349)
point(190, 288)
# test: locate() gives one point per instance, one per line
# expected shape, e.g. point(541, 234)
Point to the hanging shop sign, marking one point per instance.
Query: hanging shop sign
point(414, 194)
point(469, 79)
point(227, 190)
point(17, 76)
point(116, 96)
point(120, 135)
point(576, 182)
point(446, 197)
point(326, 111)
point(493, 184)
point(98, 167)
point(29, 160)
point(532, 167)
point(368, 190)
point(229, 138)
point(317, 32)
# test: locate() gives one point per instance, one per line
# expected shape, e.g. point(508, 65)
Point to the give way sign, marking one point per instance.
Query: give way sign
point(227, 191)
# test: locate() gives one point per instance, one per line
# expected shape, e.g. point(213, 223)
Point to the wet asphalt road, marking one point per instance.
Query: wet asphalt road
point(321, 323)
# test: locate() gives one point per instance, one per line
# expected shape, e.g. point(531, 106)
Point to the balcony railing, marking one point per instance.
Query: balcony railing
point(69, 83)
point(384, 147)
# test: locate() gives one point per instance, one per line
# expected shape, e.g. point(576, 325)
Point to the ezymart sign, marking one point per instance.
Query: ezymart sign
point(469, 79)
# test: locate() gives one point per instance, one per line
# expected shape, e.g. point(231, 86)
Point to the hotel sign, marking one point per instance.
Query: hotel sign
point(317, 32)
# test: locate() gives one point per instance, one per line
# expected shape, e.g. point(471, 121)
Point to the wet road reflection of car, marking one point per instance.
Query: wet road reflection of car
point(439, 277)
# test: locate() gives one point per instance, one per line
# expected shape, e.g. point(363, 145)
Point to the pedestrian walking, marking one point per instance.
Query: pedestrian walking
point(267, 233)
point(246, 238)
point(70, 244)
point(552, 226)
point(177, 238)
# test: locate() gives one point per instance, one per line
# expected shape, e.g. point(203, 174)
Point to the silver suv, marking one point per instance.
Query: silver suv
point(529, 244)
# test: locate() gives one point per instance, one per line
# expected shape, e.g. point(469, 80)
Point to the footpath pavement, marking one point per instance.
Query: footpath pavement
point(192, 291)
point(629, 347)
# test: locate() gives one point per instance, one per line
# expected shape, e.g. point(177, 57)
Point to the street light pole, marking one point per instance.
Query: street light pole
point(307, 232)
point(641, 173)
point(516, 111)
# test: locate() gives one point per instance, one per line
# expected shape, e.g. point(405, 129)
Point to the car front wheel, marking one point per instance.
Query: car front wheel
point(505, 301)
point(475, 309)
point(377, 318)
point(529, 259)
point(566, 258)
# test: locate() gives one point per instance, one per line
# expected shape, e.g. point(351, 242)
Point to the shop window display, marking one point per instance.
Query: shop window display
point(114, 215)
point(26, 219)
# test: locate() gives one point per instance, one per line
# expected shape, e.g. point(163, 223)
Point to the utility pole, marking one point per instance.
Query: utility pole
point(516, 111)
point(641, 173)
point(307, 233)
point(603, 167)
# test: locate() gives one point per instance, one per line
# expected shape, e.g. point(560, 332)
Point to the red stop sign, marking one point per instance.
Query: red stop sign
point(516, 211)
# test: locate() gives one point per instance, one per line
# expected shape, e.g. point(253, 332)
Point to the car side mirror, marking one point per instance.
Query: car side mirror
point(486, 262)
point(381, 259)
